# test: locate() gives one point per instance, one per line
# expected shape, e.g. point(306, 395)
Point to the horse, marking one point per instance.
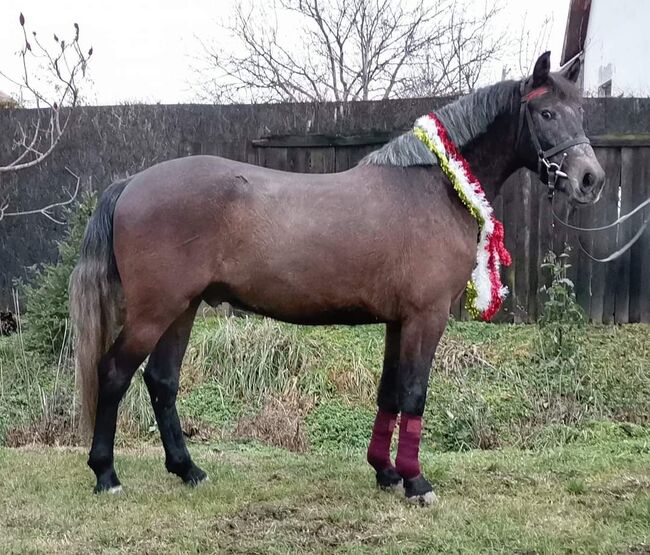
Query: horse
point(385, 242)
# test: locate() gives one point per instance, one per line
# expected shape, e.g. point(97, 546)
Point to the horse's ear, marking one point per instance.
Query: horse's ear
point(542, 69)
point(571, 70)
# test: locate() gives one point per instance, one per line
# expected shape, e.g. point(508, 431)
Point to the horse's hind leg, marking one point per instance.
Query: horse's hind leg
point(116, 368)
point(162, 376)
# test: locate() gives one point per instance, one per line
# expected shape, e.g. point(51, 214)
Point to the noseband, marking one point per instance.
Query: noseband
point(548, 172)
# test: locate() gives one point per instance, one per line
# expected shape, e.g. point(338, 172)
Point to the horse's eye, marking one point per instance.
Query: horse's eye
point(546, 114)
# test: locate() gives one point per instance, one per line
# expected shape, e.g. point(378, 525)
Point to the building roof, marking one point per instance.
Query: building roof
point(7, 101)
point(576, 29)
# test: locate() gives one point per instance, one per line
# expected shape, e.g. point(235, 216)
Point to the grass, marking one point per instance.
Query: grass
point(490, 387)
point(581, 498)
point(563, 464)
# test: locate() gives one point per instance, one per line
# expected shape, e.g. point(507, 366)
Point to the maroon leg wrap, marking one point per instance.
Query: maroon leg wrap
point(382, 433)
point(407, 462)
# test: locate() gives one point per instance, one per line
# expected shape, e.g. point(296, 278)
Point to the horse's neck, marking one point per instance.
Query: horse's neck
point(492, 156)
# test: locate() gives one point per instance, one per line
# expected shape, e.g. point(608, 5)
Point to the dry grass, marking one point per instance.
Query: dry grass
point(249, 357)
point(280, 422)
point(455, 357)
point(54, 431)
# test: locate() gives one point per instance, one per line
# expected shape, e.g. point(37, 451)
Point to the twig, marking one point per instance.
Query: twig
point(63, 73)
point(45, 211)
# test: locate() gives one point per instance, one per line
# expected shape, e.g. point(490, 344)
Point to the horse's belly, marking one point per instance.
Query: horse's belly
point(297, 306)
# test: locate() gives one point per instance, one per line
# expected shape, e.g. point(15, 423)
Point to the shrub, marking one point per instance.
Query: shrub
point(46, 292)
point(458, 418)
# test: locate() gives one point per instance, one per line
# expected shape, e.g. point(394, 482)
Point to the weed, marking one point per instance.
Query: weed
point(576, 487)
point(562, 321)
point(335, 425)
point(280, 422)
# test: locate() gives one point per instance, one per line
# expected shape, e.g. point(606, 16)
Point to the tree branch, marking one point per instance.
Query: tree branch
point(65, 82)
point(45, 210)
point(353, 49)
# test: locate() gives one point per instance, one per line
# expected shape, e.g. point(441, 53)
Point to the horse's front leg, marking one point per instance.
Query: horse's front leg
point(420, 334)
point(387, 409)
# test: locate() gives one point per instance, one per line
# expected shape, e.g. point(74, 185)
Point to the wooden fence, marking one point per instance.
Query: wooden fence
point(105, 143)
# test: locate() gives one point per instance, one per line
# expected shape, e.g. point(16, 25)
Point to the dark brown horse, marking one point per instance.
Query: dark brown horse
point(385, 242)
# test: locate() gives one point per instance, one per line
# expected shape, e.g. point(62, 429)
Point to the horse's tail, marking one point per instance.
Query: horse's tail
point(96, 301)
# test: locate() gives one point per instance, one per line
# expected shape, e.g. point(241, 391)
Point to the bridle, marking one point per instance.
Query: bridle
point(548, 172)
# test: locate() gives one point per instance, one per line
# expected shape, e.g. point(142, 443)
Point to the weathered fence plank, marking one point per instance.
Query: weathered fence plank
point(639, 160)
point(508, 217)
point(533, 250)
point(603, 277)
point(622, 312)
point(545, 241)
point(521, 253)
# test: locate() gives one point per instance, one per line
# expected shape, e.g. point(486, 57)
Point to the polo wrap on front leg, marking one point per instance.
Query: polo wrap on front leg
point(407, 462)
point(382, 434)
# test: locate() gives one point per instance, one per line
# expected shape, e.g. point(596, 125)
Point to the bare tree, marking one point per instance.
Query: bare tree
point(343, 50)
point(531, 43)
point(455, 65)
point(49, 82)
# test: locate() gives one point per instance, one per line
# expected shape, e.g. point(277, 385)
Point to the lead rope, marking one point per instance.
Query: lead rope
point(615, 254)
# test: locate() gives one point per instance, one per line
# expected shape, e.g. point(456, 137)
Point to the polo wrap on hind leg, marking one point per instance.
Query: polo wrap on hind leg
point(407, 462)
point(382, 434)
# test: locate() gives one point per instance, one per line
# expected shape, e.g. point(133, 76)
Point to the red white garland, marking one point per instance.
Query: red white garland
point(485, 292)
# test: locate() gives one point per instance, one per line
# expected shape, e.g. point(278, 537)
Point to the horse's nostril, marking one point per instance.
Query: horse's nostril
point(589, 180)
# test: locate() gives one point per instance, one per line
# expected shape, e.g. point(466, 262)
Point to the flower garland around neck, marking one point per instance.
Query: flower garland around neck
point(485, 292)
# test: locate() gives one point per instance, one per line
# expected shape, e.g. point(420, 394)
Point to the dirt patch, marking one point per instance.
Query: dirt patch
point(626, 488)
point(280, 422)
point(305, 526)
point(197, 430)
point(639, 549)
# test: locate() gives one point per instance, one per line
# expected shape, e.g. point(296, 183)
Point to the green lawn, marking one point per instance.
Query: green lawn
point(577, 498)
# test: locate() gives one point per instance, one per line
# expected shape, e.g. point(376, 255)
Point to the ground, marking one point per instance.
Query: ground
point(534, 446)
point(577, 498)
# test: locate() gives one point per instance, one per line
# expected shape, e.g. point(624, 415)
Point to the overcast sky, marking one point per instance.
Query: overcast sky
point(145, 50)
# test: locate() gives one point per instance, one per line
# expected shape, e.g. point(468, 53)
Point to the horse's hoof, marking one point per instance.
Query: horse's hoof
point(195, 476)
point(108, 484)
point(424, 500)
point(419, 491)
point(389, 480)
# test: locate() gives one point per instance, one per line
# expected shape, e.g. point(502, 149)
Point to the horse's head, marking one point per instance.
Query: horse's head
point(550, 137)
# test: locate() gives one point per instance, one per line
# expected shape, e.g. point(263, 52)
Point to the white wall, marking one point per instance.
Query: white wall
point(618, 47)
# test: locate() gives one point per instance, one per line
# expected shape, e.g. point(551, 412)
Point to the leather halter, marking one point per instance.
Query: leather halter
point(548, 172)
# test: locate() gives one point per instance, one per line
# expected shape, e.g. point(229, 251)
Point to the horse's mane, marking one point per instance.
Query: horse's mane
point(464, 119)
